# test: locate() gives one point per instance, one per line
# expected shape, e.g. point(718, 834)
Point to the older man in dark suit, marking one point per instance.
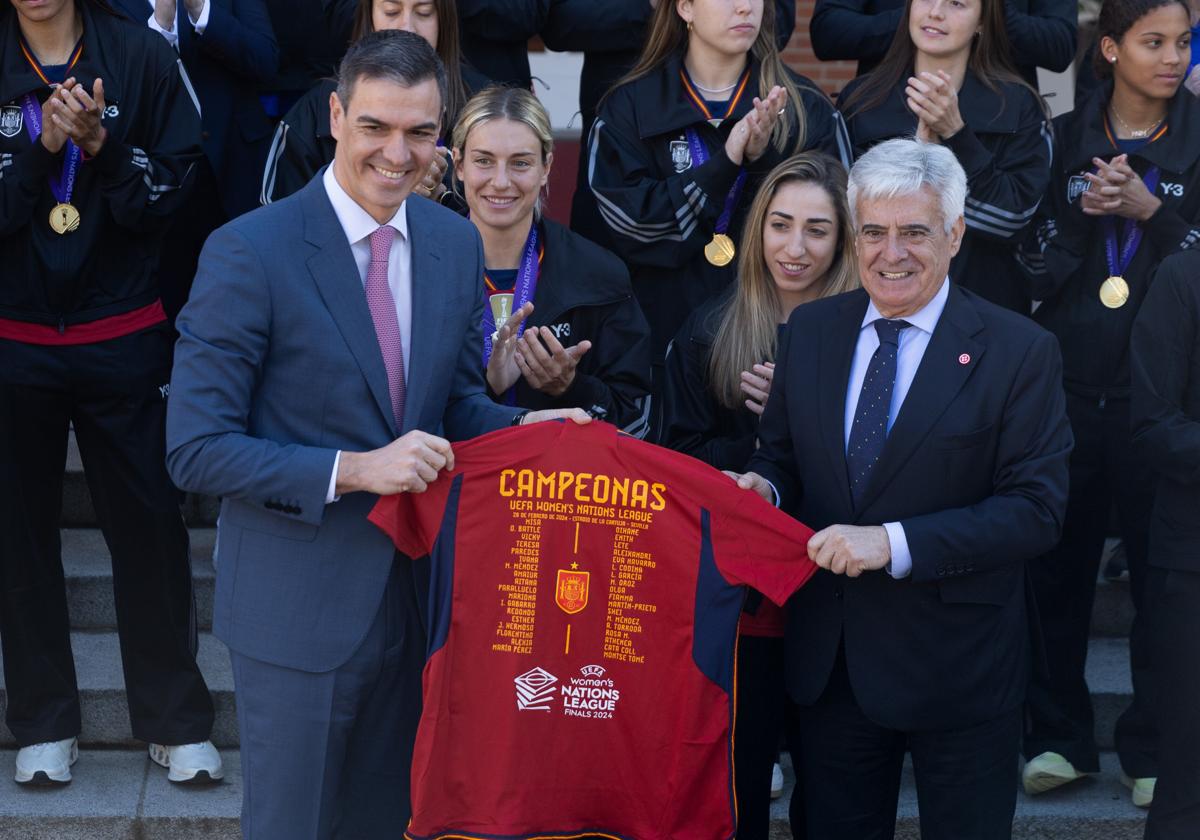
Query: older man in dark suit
point(923, 430)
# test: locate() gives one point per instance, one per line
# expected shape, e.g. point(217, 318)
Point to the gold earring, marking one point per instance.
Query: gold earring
point(689, 24)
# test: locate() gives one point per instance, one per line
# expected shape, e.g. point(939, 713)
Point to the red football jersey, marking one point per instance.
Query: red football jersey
point(585, 596)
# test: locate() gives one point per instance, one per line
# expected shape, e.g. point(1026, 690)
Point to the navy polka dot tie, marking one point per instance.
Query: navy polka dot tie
point(870, 428)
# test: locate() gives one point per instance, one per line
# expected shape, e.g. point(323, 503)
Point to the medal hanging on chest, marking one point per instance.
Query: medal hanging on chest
point(1114, 291)
point(64, 217)
point(500, 304)
point(720, 250)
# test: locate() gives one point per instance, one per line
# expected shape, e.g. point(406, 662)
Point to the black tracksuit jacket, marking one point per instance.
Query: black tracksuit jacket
point(125, 195)
point(662, 210)
point(583, 293)
point(1005, 148)
point(1065, 252)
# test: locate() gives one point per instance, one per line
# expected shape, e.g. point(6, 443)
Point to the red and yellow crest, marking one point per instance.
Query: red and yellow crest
point(571, 593)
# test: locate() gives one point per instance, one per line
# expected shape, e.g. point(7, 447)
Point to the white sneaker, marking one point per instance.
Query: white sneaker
point(189, 763)
point(1047, 772)
point(48, 763)
point(1143, 789)
point(776, 781)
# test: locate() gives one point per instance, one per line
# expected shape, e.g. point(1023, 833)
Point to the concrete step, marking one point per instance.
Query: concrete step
point(102, 691)
point(78, 512)
point(121, 795)
point(1096, 808)
point(1110, 683)
point(88, 569)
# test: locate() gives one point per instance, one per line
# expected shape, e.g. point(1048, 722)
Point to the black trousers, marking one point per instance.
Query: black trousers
point(850, 768)
point(1104, 474)
point(1173, 602)
point(114, 393)
point(757, 731)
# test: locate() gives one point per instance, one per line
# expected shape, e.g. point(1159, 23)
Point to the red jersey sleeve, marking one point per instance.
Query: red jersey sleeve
point(412, 520)
point(758, 545)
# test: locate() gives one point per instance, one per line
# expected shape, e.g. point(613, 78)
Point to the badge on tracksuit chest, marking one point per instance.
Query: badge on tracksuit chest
point(681, 155)
point(11, 121)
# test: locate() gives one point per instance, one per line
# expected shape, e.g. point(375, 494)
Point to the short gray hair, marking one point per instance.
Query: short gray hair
point(905, 166)
point(393, 55)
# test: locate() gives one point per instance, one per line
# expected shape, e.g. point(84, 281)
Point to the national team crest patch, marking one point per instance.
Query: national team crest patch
point(1077, 185)
point(681, 155)
point(571, 591)
point(11, 121)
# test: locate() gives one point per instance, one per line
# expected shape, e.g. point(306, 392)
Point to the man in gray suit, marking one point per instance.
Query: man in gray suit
point(331, 340)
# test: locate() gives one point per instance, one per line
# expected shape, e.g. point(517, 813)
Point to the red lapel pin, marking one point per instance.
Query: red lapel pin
point(964, 359)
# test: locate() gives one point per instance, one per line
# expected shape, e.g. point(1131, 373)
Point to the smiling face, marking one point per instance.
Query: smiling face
point(729, 27)
point(502, 172)
point(904, 250)
point(1152, 56)
point(386, 139)
point(800, 241)
point(416, 16)
point(944, 28)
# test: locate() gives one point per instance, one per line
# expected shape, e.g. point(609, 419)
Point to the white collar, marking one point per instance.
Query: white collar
point(924, 319)
point(357, 223)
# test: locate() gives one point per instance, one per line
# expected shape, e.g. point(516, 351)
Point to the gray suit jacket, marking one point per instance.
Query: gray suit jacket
point(278, 367)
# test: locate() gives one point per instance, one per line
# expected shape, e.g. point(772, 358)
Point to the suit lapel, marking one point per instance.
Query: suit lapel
point(428, 312)
point(839, 337)
point(336, 275)
point(940, 376)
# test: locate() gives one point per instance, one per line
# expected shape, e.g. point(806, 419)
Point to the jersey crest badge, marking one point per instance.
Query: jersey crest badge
point(1077, 185)
point(11, 121)
point(681, 155)
point(571, 592)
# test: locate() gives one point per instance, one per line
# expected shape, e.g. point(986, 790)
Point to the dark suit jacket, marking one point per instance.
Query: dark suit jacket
point(975, 469)
point(226, 65)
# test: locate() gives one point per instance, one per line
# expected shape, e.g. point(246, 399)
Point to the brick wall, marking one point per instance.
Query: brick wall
point(829, 75)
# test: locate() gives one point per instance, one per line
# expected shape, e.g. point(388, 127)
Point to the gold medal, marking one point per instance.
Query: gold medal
point(501, 304)
point(720, 250)
point(1114, 292)
point(64, 218)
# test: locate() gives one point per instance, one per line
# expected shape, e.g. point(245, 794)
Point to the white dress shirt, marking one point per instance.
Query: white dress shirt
point(913, 341)
point(172, 34)
point(358, 226)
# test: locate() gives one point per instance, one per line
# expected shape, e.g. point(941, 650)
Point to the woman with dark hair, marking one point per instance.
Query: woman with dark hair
point(561, 328)
point(1126, 193)
point(99, 138)
point(303, 142)
point(797, 246)
point(947, 78)
point(681, 144)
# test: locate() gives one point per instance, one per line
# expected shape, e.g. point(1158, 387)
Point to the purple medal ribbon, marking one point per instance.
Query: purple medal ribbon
point(1119, 262)
point(63, 185)
point(523, 290)
point(699, 158)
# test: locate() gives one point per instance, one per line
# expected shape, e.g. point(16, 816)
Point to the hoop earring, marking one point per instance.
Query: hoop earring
point(689, 26)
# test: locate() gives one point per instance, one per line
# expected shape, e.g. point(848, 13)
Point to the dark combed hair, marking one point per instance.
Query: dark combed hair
point(449, 50)
point(990, 60)
point(1116, 18)
point(393, 55)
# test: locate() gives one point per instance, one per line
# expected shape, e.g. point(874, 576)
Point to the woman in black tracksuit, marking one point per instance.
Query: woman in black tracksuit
point(303, 142)
point(561, 328)
point(956, 87)
point(681, 137)
point(1127, 165)
point(84, 342)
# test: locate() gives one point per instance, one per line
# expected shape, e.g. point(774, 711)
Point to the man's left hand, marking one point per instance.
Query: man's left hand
point(850, 550)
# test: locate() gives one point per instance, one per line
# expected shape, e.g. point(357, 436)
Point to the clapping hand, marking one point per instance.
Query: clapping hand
point(748, 139)
point(502, 370)
point(756, 385)
point(78, 114)
point(935, 102)
point(431, 185)
point(1118, 191)
point(546, 365)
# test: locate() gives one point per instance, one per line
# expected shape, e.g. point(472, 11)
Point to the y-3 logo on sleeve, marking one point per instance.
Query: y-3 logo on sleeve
point(1175, 190)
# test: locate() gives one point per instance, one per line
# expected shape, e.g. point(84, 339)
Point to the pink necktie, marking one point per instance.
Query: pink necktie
point(383, 313)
